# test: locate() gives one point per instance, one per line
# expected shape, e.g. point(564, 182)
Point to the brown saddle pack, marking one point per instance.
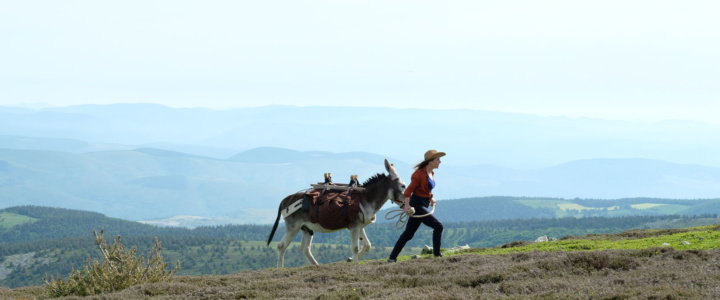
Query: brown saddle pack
point(334, 209)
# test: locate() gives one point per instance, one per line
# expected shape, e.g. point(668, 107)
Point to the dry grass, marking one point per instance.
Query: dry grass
point(654, 273)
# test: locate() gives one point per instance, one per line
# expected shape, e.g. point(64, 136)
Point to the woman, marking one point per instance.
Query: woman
point(419, 196)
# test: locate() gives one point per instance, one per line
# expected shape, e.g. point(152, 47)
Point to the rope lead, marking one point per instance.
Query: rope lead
point(403, 217)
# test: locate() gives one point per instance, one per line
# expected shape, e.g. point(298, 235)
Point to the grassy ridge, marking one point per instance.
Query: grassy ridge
point(629, 265)
point(699, 238)
point(9, 220)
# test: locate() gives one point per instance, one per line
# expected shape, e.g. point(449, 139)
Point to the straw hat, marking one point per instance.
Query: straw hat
point(433, 154)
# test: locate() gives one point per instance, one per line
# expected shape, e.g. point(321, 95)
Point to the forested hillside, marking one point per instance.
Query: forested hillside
point(52, 240)
point(503, 208)
point(45, 223)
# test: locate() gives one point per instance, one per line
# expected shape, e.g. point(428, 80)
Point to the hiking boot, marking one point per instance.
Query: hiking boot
point(440, 255)
point(392, 260)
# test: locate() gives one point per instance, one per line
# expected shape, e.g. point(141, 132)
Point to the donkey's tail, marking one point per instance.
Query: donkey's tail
point(277, 221)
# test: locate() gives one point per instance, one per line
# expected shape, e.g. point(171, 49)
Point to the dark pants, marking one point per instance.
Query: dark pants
point(420, 204)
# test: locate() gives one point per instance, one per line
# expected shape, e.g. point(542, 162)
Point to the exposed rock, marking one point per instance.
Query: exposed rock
point(541, 239)
point(458, 248)
point(21, 260)
point(4, 271)
point(665, 244)
point(427, 250)
point(685, 243)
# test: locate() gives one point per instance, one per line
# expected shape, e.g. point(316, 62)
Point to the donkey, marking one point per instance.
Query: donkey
point(378, 189)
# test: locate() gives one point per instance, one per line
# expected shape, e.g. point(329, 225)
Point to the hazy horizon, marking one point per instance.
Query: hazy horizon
point(42, 106)
point(615, 60)
point(520, 141)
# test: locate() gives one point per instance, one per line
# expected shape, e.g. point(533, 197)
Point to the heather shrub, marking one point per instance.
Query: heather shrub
point(522, 256)
point(516, 244)
point(602, 260)
point(654, 251)
point(589, 260)
point(479, 280)
point(121, 268)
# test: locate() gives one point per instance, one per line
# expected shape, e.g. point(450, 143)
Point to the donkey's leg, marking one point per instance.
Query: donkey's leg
point(306, 244)
point(290, 233)
point(354, 244)
point(365, 242)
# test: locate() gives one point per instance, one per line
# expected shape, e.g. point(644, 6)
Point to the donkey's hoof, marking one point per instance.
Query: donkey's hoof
point(349, 259)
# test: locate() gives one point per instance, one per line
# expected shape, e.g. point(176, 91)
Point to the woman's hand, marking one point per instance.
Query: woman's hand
point(406, 207)
point(432, 202)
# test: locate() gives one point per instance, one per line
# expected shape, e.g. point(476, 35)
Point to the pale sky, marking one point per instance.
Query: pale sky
point(633, 60)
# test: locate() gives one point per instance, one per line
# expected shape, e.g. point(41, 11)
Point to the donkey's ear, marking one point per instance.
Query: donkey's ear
point(389, 167)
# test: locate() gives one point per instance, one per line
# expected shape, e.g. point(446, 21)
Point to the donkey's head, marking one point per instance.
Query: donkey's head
point(395, 194)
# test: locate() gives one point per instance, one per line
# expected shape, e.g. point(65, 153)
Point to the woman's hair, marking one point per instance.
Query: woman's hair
point(423, 164)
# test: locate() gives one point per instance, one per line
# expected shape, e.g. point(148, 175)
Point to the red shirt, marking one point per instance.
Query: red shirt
point(419, 184)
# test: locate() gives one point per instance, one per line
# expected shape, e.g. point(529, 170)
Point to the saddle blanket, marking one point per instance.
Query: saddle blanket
point(334, 209)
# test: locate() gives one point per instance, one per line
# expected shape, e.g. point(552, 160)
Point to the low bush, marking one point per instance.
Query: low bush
point(599, 260)
point(120, 269)
point(516, 244)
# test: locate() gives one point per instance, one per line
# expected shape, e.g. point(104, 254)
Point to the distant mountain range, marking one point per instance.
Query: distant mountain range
point(151, 184)
point(151, 162)
point(469, 137)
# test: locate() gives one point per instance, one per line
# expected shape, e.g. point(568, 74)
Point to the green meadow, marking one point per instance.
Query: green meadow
point(9, 220)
